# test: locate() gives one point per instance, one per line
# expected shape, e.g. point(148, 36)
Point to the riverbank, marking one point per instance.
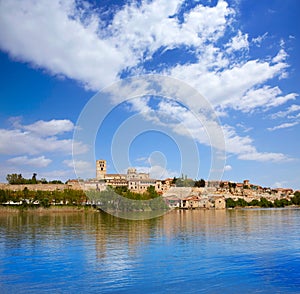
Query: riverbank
point(54, 209)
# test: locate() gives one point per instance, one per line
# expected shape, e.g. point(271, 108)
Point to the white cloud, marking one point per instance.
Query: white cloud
point(279, 184)
point(294, 116)
point(85, 49)
point(265, 156)
point(291, 109)
point(227, 167)
point(184, 122)
point(77, 43)
point(70, 47)
point(41, 161)
point(157, 172)
point(143, 159)
point(265, 97)
point(244, 128)
point(227, 88)
point(80, 166)
point(238, 42)
point(21, 141)
point(258, 40)
point(58, 174)
point(283, 126)
point(50, 128)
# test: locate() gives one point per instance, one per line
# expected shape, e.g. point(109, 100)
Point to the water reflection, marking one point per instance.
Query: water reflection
point(107, 231)
point(225, 247)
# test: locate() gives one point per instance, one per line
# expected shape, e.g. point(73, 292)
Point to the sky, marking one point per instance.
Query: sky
point(206, 89)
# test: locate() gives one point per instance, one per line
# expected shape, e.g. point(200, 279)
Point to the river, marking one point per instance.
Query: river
point(200, 251)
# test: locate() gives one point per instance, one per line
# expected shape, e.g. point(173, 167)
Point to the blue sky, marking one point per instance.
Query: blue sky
point(242, 56)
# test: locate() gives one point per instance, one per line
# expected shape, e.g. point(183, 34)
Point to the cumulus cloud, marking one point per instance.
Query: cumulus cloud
point(29, 139)
point(184, 122)
point(41, 161)
point(50, 128)
point(77, 42)
point(80, 44)
point(238, 42)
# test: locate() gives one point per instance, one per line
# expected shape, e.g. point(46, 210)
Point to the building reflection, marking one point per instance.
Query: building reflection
point(109, 239)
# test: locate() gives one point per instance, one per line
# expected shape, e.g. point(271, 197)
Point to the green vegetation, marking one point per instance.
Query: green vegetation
point(121, 199)
point(149, 194)
point(17, 179)
point(296, 199)
point(200, 183)
point(263, 202)
point(33, 199)
point(183, 182)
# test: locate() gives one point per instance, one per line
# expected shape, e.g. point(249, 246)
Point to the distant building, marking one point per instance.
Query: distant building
point(133, 180)
point(212, 184)
point(100, 169)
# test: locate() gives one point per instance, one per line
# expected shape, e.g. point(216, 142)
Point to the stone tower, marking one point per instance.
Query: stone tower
point(100, 169)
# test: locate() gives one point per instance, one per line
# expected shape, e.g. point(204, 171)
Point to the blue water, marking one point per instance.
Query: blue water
point(232, 251)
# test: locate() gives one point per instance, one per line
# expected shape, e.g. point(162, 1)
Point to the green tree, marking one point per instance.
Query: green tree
point(296, 199)
point(43, 181)
point(200, 183)
point(230, 203)
point(151, 192)
point(33, 179)
point(265, 203)
point(174, 180)
point(15, 179)
point(241, 202)
point(45, 203)
point(254, 202)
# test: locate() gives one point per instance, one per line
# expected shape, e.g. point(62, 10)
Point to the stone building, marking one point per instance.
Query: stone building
point(100, 169)
point(135, 181)
point(220, 203)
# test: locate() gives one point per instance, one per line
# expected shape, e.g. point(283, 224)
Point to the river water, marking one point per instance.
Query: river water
point(204, 251)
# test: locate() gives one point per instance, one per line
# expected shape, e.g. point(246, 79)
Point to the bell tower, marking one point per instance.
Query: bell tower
point(100, 169)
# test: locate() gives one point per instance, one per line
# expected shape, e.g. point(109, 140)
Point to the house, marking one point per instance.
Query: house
point(190, 202)
point(193, 202)
point(172, 201)
point(220, 203)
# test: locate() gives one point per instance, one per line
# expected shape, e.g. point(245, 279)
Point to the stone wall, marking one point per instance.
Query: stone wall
point(35, 187)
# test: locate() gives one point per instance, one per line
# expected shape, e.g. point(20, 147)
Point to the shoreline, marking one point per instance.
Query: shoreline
point(84, 209)
point(51, 209)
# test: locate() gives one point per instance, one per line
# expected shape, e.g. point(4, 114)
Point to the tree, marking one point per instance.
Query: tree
point(15, 179)
point(200, 183)
point(265, 202)
point(151, 191)
point(296, 199)
point(230, 203)
point(254, 202)
point(241, 202)
point(33, 179)
point(45, 202)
